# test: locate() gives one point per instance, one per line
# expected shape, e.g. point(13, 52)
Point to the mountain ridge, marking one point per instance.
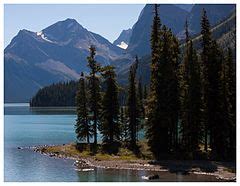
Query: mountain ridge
point(56, 53)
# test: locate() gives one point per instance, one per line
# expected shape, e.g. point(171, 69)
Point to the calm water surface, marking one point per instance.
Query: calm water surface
point(25, 126)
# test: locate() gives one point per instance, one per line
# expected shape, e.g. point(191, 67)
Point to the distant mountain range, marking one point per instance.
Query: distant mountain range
point(58, 53)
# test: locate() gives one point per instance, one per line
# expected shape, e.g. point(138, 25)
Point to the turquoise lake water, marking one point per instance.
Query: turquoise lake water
point(26, 127)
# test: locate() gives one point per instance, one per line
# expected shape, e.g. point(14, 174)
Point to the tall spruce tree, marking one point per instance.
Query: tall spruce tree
point(94, 91)
point(153, 128)
point(163, 97)
point(205, 57)
point(140, 99)
point(229, 70)
point(218, 129)
point(145, 93)
point(110, 128)
point(133, 111)
point(194, 100)
point(83, 128)
point(190, 98)
point(212, 57)
point(123, 124)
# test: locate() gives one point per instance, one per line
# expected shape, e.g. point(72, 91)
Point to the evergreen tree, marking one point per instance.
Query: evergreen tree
point(133, 112)
point(140, 99)
point(194, 100)
point(212, 57)
point(153, 128)
point(82, 126)
point(190, 97)
point(94, 91)
point(163, 97)
point(218, 129)
point(110, 129)
point(205, 56)
point(123, 125)
point(230, 97)
point(145, 93)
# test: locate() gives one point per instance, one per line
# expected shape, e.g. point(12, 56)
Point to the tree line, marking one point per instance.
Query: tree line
point(57, 94)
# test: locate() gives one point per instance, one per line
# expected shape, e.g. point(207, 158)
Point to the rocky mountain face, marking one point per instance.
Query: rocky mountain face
point(224, 33)
point(187, 7)
point(123, 40)
point(57, 53)
point(172, 16)
point(215, 12)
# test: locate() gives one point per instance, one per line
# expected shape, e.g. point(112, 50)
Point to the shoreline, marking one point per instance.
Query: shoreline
point(220, 170)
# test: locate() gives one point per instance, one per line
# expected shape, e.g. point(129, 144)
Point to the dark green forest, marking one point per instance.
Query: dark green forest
point(188, 110)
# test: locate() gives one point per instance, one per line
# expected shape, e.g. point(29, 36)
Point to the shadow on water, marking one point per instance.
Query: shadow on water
point(184, 167)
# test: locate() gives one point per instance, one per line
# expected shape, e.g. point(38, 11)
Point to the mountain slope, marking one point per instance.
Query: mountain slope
point(215, 13)
point(57, 53)
point(171, 15)
point(224, 33)
point(123, 39)
point(187, 7)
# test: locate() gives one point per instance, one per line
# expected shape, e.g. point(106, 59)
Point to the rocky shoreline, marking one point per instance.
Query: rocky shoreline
point(220, 171)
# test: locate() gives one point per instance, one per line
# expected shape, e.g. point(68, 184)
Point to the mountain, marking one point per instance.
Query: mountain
point(123, 39)
point(57, 53)
point(187, 7)
point(224, 33)
point(215, 12)
point(172, 16)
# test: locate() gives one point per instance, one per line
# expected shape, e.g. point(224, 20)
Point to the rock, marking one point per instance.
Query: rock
point(151, 177)
point(20, 148)
point(43, 150)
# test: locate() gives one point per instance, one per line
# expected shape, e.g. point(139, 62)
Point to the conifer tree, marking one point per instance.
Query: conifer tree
point(83, 129)
point(194, 100)
point(163, 97)
point(212, 57)
point(94, 91)
point(140, 99)
point(153, 128)
point(218, 129)
point(133, 111)
point(205, 57)
point(230, 97)
point(110, 128)
point(123, 125)
point(190, 97)
point(145, 93)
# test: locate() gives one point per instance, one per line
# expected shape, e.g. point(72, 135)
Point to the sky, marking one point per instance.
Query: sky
point(107, 20)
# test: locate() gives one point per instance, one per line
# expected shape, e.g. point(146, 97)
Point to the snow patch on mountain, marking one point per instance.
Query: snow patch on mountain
point(123, 45)
point(41, 34)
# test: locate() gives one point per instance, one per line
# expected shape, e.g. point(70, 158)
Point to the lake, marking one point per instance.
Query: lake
point(26, 127)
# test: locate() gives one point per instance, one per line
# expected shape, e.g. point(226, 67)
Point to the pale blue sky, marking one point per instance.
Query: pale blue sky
point(104, 19)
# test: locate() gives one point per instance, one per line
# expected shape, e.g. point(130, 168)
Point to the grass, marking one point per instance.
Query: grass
point(69, 150)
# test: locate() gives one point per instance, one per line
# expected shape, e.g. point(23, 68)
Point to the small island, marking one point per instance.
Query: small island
point(126, 160)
